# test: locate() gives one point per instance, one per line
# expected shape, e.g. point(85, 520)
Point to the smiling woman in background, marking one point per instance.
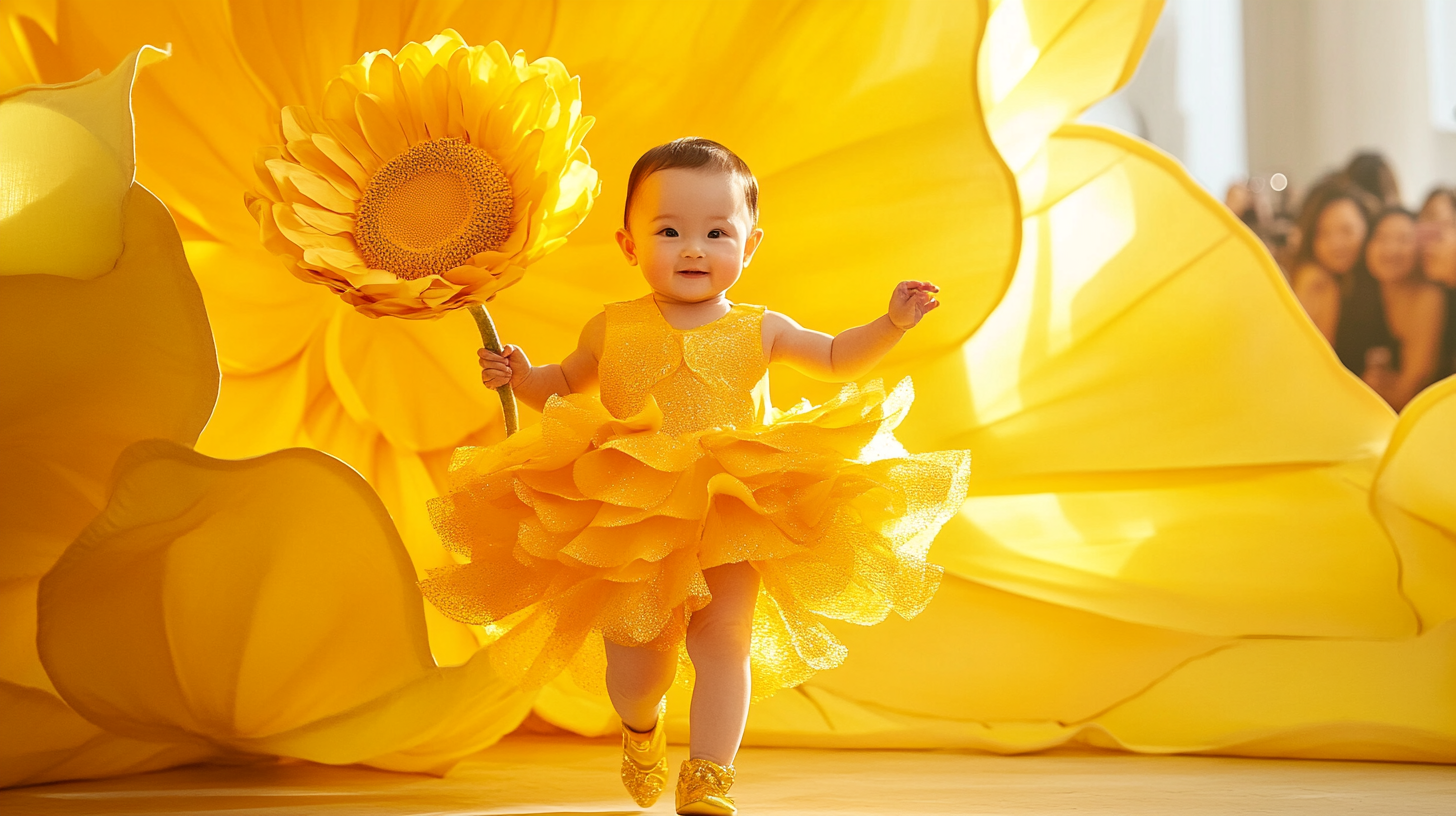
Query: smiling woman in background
point(1410, 312)
point(1436, 228)
point(1344, 306)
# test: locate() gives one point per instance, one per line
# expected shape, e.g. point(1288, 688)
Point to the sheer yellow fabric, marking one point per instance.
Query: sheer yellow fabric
point(599, 522)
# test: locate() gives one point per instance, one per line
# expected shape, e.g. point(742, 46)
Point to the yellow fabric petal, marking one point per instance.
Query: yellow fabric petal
point(405, 481)
point(45, 741)
point(67, 166)
point(85, 378)
point(313, 647)
point(257, 328)
point(1084, 386)
point(370, 361)
point(294, 48)
point(197, 165)
point(19, 663)
point(1018, 659)
point(833, 112)
point(1255, 551)
point(1045, 61)
point(1305, 698)
point(17, 64)
point(1415, 499)
point(1141, 309)
point(258, 413)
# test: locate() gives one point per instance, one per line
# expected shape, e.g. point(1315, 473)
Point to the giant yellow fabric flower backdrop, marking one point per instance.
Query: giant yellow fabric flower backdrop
point(1170, 547)
point(855, 116)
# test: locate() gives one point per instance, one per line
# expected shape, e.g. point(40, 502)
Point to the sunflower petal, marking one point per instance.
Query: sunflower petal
point(381, 127)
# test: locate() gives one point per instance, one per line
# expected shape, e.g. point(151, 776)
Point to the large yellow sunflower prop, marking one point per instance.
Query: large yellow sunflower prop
point(430, 180)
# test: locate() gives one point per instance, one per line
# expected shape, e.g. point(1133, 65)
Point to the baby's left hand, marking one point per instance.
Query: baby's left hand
point(910, 301)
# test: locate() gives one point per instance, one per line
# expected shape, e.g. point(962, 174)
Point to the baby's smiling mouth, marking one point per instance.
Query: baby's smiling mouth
point(692, 273)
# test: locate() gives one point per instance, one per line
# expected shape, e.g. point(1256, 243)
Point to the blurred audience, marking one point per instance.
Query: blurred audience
point(1267, 213)
point(1378, 281)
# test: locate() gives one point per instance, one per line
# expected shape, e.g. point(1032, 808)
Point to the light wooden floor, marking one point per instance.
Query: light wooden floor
point(543, 776)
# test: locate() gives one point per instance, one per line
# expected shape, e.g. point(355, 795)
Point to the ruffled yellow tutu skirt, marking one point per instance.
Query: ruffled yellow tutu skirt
point(588, 526)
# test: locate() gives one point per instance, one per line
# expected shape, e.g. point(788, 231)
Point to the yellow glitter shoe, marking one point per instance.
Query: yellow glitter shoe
point(644, 760)
point(702, 788)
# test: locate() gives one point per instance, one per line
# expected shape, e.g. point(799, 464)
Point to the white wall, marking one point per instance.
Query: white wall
point(1187, 96)
point(1326, 78)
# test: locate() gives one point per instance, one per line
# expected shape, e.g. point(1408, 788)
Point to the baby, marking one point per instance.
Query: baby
point(690, 225)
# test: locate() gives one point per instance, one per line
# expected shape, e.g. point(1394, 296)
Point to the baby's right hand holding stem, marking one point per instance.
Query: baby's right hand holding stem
point(510, 366)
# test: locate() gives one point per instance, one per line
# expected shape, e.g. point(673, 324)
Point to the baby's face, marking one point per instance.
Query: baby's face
point(689, 230)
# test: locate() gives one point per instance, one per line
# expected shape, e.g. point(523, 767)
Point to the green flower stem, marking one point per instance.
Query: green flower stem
point(492, 341)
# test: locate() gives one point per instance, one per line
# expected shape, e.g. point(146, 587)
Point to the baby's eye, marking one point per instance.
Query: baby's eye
point(668, 232)
point(717, 233)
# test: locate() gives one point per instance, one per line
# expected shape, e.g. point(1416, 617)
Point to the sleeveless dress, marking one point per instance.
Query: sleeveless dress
point(598, 522)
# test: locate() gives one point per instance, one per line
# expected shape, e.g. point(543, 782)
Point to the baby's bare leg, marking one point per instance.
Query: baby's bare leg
point(637, 677)
point(718, 642)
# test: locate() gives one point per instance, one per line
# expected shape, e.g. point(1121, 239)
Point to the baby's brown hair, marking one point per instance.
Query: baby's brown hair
point(692, 152)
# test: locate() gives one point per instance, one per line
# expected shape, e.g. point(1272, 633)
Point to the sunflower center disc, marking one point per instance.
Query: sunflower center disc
point(431, 208)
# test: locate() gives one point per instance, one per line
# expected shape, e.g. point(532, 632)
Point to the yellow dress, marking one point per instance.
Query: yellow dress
point(599, 521)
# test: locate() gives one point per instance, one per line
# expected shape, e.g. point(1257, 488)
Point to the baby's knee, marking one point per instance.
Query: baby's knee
point(640, 682)
point(720, 638)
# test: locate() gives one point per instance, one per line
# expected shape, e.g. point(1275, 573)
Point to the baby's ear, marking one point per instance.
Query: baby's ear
point(750, 246)
point(629, 247)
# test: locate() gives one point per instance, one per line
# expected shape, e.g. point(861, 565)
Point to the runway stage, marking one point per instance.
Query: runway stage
point(551, 776)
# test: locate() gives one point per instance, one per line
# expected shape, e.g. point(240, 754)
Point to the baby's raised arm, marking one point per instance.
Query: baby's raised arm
point(852, 353)
point(536, 384)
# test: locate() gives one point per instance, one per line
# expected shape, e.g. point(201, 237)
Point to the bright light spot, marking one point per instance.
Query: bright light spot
point(1008, 49)
point(1278, 182)
point(1088, 229)
point(993, 354)
point(1054, 529)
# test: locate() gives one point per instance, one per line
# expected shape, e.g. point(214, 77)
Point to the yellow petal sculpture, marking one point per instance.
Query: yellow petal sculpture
point(1416, 503)
point(430, 180)
point(67, 165)
point(311, 646)
point(92, 359)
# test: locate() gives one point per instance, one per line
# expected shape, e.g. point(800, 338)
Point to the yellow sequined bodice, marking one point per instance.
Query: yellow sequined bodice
point(711, 376)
